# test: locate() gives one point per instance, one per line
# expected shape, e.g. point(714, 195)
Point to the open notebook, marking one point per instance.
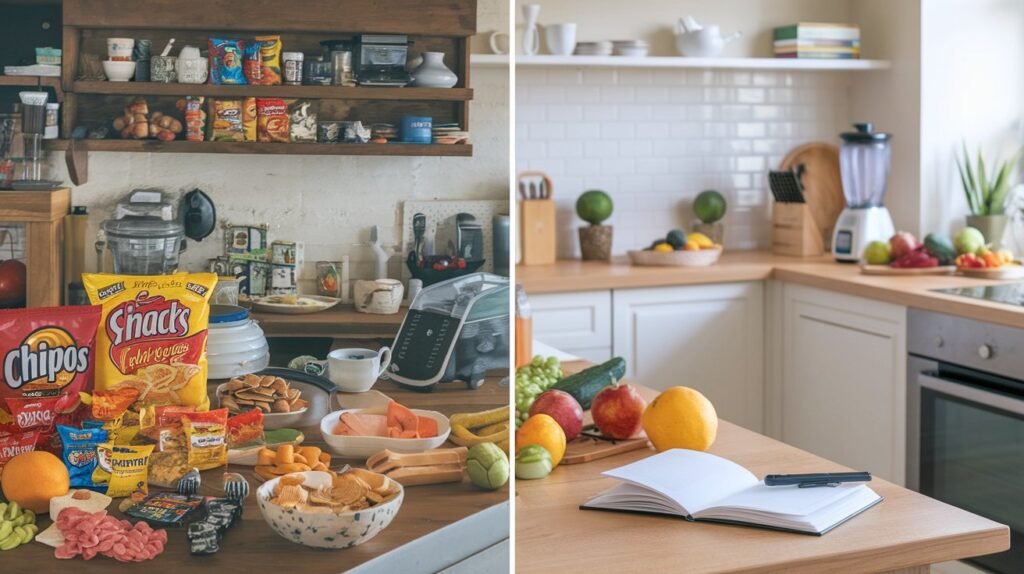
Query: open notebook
point(701, 486)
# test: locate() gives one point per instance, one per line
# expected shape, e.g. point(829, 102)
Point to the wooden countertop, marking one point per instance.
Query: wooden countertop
point(820, 272)
point(906, 530)
point(436, 526)
point(339, 322)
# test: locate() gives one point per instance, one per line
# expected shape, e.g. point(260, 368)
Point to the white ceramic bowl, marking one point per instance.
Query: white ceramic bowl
point(273, 421)
point(118, 71)
point(364, 446)
point(702, 258)
point(326, 529)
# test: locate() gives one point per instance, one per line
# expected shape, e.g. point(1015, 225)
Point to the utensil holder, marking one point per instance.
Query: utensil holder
point(794, 232)
point(537, 231)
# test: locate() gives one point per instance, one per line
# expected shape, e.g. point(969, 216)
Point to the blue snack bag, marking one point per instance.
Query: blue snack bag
point(226, 57)
point(79, 454)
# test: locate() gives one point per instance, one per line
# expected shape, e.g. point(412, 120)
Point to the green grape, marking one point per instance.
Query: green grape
point(532, 380)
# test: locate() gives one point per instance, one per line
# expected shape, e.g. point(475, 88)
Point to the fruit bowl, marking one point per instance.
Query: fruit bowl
point(702, 258)
point(1013, 270)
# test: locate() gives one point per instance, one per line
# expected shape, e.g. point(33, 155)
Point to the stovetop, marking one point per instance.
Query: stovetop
point(1007, 293)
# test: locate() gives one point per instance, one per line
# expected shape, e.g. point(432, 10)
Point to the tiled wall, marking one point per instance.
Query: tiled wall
point(654, 138)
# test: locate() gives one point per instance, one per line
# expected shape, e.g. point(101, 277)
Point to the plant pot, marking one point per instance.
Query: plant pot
point(596, 242)
point(992, 227)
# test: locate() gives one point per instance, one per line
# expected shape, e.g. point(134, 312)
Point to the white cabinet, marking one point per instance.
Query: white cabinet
point(841, 392)
point(579, 323)
point(708, 337)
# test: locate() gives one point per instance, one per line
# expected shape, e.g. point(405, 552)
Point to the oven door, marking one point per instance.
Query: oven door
point(970, 453)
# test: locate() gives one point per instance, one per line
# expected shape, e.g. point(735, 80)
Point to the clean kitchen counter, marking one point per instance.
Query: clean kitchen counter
point(905, 533)
point(339, 322)
point(821, 272)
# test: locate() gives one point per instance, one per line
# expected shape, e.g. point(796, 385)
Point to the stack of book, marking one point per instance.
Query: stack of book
point(817, 40)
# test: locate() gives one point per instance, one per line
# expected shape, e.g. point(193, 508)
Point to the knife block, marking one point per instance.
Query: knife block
point(537, 231)
point(794, 231)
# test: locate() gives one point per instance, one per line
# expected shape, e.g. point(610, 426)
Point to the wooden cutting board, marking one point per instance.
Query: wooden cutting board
point(586, 449)
point(823, 186)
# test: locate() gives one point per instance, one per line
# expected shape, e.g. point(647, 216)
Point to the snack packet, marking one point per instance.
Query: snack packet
point(79, 453)
point(111, 405)
point(31, 414)
point(226, 61)
point(249, 119)
point(206, 437)
point(153, 335)
point(129, 470)
point(302, 121)
point(166, 468)
point(272, 120)
point(163, 426)
point(226, 121)
point(12, 445)
point(195, 118)
point(252, 62)
point(246, 428)
point(270, 61)
point(48, 352)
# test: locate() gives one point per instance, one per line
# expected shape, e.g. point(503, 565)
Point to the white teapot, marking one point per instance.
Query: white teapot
point(696, 41)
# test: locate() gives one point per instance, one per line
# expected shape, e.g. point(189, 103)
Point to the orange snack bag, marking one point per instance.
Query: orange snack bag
point(152, 335)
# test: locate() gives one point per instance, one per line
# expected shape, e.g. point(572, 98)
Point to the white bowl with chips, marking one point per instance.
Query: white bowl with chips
point(326, 529)
point(364, 446)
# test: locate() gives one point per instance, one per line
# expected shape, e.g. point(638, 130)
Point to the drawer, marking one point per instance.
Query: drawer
point(569, 321)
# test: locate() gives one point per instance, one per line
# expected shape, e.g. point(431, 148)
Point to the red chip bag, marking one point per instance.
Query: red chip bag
point(32, 414)
point(14, 444)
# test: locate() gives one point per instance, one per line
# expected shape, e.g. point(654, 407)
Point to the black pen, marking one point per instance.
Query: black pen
point(816, 479)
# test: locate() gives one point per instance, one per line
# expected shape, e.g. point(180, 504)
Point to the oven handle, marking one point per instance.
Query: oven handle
point(973, 394)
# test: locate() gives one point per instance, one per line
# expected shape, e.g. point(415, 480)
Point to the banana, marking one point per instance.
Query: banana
point(482, 418)
point(462, 436)
point(5, 529)
point(491, 429)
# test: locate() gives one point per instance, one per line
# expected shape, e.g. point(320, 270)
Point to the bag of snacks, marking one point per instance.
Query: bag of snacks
point(79, 453)
point(12, 445)
point(153, 335)
point(162, 426)
point(252, 64)
point(195, 118)
point(129, 470)
point(272, 120)
point(206, 437)
point(270, 61)
point(48, 352)
point(226, 124)
point(226, 61)
point(249, 119)
point(246, 428)
point(302, 121)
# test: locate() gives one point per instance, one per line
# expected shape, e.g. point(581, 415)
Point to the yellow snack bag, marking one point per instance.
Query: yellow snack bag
point(152, 335)
point(101, 474)
point(129, 470)
point(206, 435)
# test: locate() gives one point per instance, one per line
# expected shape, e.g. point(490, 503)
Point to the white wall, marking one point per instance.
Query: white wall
point(327, 202)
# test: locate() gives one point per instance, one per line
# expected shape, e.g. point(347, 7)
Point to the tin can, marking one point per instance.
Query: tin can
point(329, 132)
point(293, 68)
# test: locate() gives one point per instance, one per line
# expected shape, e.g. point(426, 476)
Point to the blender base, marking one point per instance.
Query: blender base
point(858, 226)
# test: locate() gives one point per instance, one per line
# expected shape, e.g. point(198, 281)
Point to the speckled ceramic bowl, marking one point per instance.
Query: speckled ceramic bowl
point(326, 530)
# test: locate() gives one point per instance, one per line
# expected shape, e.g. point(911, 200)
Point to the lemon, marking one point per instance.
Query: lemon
point(691, 246)
point(680, 417)
point(663, 247)
point(702, 241)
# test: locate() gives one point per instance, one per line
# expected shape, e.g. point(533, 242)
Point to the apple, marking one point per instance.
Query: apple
point(12, 283)
point(902, 243)
point(617, 410)
point(562, 407)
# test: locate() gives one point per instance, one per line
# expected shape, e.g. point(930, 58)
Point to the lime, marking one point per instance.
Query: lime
point(709, 206)
point(594, 206)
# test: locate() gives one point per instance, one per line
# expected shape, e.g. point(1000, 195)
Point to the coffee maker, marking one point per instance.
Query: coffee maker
point(381, 58)
point(864, 160)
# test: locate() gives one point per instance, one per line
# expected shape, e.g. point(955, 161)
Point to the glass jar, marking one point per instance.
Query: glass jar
point(319, 72)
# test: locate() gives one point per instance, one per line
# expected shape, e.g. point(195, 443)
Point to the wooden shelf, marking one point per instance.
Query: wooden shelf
point(52, 82)
point(681, 62)
point(156, 146)
point(490, 60)
point(312, 92)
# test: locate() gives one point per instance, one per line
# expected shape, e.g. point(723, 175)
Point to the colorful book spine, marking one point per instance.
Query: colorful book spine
point(817, 31)
point(818, 55)
point(801, 44)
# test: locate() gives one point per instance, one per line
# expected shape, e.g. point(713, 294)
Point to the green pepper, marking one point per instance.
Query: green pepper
point(533, 461)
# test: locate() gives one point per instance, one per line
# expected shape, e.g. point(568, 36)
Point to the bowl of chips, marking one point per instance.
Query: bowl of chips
point(328, 510)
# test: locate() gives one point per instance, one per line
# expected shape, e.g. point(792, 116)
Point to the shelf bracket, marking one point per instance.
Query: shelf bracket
point(77, 159)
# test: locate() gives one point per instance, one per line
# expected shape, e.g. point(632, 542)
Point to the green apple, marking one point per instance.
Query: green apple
point(969, 240)
point(877, 253)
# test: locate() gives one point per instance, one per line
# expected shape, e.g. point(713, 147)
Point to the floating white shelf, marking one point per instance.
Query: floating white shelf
point(681, 62)
point(489, 60)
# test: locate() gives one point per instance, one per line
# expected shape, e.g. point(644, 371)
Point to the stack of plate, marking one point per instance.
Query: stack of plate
point(602, 48)
point(235, 345)
point(631, 48)
point(449, 133)
point(386, 131)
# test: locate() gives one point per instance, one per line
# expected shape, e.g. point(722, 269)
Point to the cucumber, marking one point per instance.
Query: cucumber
point(584, 385)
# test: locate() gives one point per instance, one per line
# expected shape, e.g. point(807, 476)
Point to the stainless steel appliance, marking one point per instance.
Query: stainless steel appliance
point(381, 59)
point(965, 421)
point(145, 235)
point(864, 161)
point(461, 236)
point(1005, 293)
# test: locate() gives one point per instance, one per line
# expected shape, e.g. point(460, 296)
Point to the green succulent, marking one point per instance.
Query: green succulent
point(985, 196)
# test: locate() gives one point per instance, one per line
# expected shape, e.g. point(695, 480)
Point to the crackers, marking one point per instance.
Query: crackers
point(357, 489)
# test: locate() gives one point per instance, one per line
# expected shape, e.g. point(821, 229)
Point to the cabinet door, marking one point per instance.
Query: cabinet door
point(708, 337)
point(578, 323)
point(843, 379)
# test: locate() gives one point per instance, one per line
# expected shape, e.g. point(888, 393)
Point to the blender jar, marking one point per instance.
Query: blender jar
point(144, 246)
point(864, 160)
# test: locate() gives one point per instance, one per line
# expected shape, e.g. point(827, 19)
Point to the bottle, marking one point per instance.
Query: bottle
point(524, 328)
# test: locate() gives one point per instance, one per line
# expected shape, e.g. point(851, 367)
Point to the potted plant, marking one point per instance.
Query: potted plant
point(987, 197)
point(594, 207)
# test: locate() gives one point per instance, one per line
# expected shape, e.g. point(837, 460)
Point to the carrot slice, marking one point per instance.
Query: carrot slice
point(426, 427)
point(409, 434)
point(401, 417)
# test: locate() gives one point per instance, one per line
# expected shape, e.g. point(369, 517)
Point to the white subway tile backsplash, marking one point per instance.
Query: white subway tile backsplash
point(654, 138)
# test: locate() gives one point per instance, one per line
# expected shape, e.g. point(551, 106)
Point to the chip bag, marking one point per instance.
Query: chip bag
point(270, 61)
point(206, 437)
point(152, 335)
point(79, 454)
point(14, 444)
point(129, 470)
point(48, 352)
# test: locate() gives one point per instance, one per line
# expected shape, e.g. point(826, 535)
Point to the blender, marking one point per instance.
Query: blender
point(144, 236)
point(864, 159)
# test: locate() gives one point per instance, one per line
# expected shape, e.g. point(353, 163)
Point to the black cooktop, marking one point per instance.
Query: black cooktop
point(1007, 293)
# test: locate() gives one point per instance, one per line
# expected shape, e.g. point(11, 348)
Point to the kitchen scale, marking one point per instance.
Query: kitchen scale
point(456, 330)
point(864, 160)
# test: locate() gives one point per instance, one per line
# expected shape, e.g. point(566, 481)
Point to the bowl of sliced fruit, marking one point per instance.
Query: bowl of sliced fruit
point(363, 432)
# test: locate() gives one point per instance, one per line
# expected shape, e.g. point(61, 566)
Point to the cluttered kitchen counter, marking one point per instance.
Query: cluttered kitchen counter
point(821, 272)
point(904, 532)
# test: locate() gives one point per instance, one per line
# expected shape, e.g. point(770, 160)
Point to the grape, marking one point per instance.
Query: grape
point(532, 380)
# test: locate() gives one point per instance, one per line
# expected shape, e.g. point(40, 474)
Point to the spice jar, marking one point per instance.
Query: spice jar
point(293, 68)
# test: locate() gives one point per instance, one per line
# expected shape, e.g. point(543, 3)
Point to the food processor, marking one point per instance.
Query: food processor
point(145, 235)
point(864, 160)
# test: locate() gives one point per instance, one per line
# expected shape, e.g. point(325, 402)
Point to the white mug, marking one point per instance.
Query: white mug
point(561, 38)
point(499, 42)
point(356, 370)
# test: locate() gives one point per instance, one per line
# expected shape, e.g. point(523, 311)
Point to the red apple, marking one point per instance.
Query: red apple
point(902, 243)
point(617, 410)
point(12, 283)
point(562, 407)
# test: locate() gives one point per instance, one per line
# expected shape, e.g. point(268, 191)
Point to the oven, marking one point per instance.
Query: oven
point(965, 421)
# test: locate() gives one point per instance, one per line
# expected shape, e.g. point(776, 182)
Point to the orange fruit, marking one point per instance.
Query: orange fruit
point(542, 430)
point(32, 478)
point(680, 417)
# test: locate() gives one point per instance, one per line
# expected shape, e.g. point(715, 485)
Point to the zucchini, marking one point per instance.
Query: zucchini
point(584, 385)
